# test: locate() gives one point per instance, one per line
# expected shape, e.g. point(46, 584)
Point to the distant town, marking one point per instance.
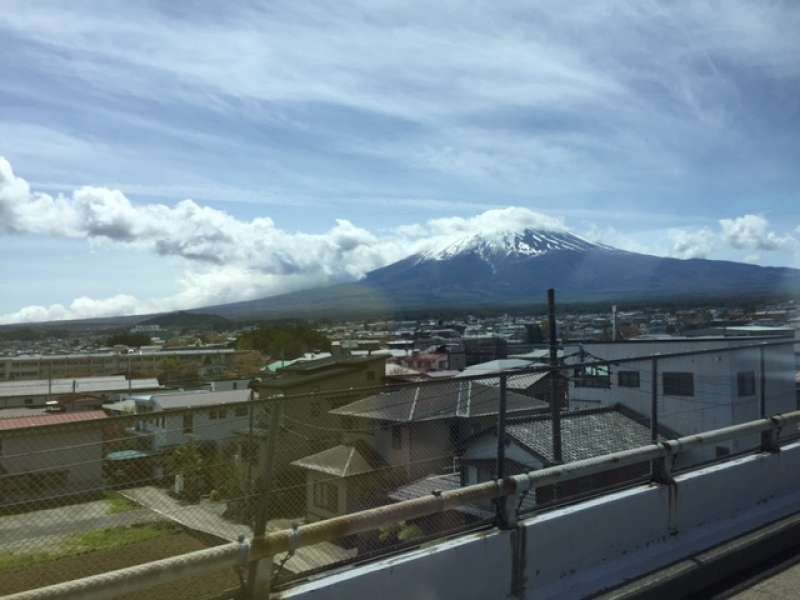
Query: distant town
point(212, 345)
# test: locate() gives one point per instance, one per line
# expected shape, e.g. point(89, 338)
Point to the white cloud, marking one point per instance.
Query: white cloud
point(752, 232)
point(749, 232)
point(692, 244)
point(230, 259)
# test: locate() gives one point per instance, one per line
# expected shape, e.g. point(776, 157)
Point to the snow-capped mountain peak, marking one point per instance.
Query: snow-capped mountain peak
point(527, 242)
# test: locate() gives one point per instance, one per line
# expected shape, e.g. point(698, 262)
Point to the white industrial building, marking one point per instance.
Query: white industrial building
point(37, 392)
point(216, 423)
point(695, 393)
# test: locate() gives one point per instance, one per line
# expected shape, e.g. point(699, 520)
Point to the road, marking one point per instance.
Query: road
point(43, 530)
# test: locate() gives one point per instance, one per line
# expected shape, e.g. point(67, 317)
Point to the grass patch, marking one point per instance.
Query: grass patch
point(83, 543)
point(115, 537)
point(118, 503)
point(12, 560)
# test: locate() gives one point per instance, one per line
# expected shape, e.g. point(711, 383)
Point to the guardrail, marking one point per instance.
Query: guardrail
point(261, 550)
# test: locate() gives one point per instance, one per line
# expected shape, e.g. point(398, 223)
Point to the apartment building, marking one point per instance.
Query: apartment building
point(17, 368)
point(695, 392)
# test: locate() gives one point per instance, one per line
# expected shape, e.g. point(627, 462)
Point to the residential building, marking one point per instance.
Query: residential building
point(223, 414)
point(40, 458)
point(419, 427)
point(313, 388)
point(305, 392)
point(404, 434)
point(695, 393)
point(343, 479)
point(37, 392)
point(584, 434)
point(483, 348)
point(211, 361)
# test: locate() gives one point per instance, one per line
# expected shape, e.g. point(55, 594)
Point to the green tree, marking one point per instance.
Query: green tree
point(284, 341)
point(189, 462)
point(172, 372)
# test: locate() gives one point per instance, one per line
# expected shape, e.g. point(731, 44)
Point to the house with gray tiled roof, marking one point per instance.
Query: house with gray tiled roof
point(343, 479)
point(584, 434)
point(420, 427)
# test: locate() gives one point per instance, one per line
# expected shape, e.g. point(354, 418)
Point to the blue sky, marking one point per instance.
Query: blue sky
point(352, 133)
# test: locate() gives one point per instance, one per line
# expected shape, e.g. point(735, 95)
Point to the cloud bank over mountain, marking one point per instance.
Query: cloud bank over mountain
point(229, 259)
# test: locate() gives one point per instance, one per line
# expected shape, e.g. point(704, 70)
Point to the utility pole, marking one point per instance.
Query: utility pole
point(762, 392)
point(260, 573)
point(614, 323)
point(250, 454)
point(501, 430)
point(555, 401)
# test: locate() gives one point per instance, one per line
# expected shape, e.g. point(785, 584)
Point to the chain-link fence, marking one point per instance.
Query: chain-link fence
point(86, 492)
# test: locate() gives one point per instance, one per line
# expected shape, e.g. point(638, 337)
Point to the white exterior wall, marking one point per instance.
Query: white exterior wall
point(167, 430)
point(715, 402)
point(314, 512)
point(580, 550)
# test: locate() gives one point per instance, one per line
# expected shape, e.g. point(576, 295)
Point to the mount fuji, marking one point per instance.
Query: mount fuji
point(515, 268)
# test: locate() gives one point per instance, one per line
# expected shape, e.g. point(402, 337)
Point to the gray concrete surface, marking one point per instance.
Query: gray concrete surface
point(44, 530)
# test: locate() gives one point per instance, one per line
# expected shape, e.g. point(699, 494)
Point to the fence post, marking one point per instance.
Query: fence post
point(555, 405)
point(259, 574)
point(770, 440)
point(505, 509)
point(763, 385)
point(251, 454)
point(654, 402)
point(660, 468)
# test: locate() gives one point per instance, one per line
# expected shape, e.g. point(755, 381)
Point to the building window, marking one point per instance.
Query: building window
point(678, 384)
point(326, 495)
point(188, 423)
point(397, 438)
point(593, 377)
point(628, 379)
point(746, 383)
point(28, 401)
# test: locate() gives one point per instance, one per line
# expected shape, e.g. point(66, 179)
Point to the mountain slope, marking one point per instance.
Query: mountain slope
point(512, 268)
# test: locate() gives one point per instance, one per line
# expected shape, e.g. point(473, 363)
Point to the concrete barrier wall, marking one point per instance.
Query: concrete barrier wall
point(582, 549)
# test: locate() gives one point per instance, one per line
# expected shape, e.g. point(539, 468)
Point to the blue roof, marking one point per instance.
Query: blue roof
point(126, 455)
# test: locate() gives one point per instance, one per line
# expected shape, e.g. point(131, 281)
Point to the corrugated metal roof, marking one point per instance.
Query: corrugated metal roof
point(195, 398)
point(160, 353)
point(52, 419)
point(40, 387)
point(495, 366)
point(462, 399)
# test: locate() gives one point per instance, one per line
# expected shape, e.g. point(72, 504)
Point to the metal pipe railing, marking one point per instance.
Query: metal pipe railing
point(141, 577)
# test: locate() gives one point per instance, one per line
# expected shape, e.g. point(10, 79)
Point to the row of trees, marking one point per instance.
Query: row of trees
point(284, 341)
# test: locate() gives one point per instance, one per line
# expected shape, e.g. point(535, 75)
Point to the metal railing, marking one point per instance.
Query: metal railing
point(264, 500)
point(263, 549)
